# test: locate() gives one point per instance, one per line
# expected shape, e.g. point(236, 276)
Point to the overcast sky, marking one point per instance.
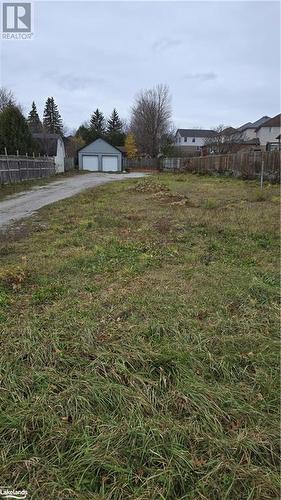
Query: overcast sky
point(221, 60)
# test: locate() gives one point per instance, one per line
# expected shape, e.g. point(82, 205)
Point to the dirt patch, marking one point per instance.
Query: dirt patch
point(163, 225)
point(13, 233)
point(172, 198)
point(148, 185)
point(161, 192)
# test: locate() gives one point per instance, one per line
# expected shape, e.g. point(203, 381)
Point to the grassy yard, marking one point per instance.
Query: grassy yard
point(139, 346)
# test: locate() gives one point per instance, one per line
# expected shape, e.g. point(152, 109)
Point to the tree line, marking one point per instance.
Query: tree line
point(112, 129)
point(17, 132)
point(149, 131)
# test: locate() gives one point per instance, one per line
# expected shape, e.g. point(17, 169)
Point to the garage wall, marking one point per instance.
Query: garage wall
point(100, 148)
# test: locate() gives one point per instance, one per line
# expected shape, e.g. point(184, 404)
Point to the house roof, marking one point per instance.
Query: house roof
point(245, 126)
point(255, 124)
point(194, 132)
point(229, 130)
point(262, 120)
point(47, 142)
point(48, 135)
point(278, 136)
point(272, 122)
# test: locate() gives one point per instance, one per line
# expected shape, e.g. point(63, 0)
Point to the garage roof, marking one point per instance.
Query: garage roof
point(100, 139)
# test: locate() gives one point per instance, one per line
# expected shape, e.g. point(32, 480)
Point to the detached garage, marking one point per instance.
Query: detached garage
point(100, 156)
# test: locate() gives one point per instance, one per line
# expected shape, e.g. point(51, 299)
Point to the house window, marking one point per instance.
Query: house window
point(269, 129)
point(185, 139)
point(198, 148)
point(193, 140)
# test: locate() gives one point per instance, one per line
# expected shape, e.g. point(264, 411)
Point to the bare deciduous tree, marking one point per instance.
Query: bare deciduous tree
point(7, 98)
point(224, 140)
point(151, 119)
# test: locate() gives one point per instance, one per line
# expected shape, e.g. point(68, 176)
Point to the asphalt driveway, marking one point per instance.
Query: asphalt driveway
point(25, 203)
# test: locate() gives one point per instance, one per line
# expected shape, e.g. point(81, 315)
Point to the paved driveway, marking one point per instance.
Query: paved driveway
point(25, 203)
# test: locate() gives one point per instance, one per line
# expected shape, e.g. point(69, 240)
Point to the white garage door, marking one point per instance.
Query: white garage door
point(110, 163)
point(91, 163)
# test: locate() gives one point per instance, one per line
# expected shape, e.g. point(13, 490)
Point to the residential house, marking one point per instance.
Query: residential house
point(231, 140)
point(191, 141)
point(228, 140)
point(268, 131)
point(248, 130)
point(51, 145)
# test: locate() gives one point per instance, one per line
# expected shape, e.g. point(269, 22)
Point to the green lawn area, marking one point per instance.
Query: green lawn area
point(140, 343)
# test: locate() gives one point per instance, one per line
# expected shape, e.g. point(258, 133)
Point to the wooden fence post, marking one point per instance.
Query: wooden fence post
point(262, 169)
point(8, 165)
point(19, 169)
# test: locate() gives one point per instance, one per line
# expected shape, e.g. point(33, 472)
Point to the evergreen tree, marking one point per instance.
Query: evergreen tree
point(167, 145)
point(130, 146)
point(33, 119)
point(52, 121)
point(97, 125)
point(114, 130)
point(14, 132)
point(83, 132)
point(114, 124)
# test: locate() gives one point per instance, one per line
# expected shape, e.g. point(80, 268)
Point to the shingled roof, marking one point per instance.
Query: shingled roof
point(245, 126)
point(47, 143)
point(255, 124)
point(196, 132)
point(229, 131)
point(272, 122)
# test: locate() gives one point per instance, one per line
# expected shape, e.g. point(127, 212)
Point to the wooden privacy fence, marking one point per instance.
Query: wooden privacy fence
point(141, 164)
point(247, 165)
point(69, 163)
point(17, 168)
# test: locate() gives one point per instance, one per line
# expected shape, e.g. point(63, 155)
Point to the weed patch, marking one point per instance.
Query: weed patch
point(260, 195)
point(210, 203)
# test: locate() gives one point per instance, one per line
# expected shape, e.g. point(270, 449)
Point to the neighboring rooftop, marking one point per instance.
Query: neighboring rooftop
point(264, 121)
point(245, 126)
point(47, 143)
point(45, 135)
point(271, 122)
point(255, 124)
point(229, 130)
point(196, 132)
